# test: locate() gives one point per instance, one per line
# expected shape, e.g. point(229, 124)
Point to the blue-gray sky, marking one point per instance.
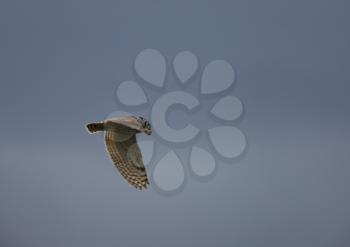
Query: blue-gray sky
point(60, 62)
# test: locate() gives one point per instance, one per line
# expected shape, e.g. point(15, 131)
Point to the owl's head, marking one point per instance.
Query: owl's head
point(145, 125)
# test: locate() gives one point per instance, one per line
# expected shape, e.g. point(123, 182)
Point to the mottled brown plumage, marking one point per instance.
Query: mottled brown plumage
point(121, 144)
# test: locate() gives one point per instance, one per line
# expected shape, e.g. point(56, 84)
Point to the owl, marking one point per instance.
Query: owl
point(121, 144)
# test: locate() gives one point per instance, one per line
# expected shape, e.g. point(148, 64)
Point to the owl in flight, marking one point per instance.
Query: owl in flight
point(121, 144)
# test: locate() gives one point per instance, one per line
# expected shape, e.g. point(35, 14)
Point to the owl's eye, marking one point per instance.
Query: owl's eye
point(146, 125)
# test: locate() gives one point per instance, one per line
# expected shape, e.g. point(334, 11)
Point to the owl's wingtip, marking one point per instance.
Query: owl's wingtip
point(141, 187)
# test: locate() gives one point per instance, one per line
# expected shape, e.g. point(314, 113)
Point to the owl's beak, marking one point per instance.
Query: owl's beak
point(148, 131)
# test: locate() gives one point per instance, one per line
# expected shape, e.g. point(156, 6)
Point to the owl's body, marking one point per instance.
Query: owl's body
point(121, 144)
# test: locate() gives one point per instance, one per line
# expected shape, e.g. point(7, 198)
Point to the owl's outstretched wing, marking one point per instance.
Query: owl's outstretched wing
point(127, 158)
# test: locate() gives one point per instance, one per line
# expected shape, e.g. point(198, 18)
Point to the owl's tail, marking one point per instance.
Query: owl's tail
point(94, 127)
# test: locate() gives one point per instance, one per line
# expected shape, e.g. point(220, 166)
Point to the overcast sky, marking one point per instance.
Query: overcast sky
point(60, 62)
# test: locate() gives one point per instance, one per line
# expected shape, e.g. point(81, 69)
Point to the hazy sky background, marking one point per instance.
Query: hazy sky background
point(59, 64)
